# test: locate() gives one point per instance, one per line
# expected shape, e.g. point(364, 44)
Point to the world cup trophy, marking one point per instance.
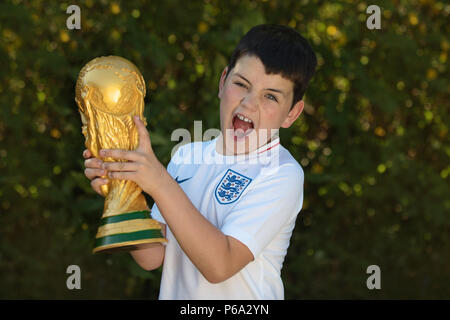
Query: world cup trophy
point(109, 92)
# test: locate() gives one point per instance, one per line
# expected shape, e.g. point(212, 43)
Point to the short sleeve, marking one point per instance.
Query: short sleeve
point(172, 169)
point(270, 206)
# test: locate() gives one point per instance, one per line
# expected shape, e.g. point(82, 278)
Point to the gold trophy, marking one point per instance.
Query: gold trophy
point(109, 92)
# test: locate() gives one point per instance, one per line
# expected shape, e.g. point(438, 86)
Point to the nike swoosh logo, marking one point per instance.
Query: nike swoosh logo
point(180, 181)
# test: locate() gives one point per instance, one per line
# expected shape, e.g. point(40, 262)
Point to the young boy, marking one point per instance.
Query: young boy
point(229, 217)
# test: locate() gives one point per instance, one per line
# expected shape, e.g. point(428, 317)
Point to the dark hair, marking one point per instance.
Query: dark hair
point(283, 51)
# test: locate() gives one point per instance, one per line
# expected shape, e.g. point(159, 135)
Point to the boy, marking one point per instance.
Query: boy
point(228, 220)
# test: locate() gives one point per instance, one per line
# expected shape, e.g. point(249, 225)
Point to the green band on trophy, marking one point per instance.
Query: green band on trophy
point(125, 216)
point(125, 237)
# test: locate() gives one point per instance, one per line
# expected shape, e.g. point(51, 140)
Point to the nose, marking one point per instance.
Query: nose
point(250, 102)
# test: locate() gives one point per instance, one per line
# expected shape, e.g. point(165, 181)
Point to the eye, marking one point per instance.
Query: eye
point(240, 84)
point(271, 97)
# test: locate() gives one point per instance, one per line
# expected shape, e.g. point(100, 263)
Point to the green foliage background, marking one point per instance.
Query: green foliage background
point(373, 139)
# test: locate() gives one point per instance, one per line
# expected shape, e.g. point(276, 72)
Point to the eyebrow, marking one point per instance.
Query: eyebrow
point(270, 89)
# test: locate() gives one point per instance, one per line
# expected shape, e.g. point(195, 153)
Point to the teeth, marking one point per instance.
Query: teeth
point(244, 118)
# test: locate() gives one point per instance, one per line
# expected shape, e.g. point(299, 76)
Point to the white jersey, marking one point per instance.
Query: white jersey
point(254, 198)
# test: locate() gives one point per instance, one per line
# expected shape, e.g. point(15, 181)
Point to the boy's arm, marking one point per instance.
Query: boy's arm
point(151, 257)
point(216, 256)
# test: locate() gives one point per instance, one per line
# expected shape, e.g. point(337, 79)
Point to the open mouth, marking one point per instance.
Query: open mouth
point(242, 125)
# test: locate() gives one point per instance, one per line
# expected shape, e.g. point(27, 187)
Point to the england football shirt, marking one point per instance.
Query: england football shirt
point(254, 198)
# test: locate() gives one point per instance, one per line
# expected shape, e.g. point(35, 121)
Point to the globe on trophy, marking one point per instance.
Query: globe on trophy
point(109, 92)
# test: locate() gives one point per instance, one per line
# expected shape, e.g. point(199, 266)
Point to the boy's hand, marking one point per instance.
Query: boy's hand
point(142, 167)
point(94, 171)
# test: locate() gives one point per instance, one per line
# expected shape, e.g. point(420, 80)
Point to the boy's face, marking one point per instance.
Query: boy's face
point(264, 99)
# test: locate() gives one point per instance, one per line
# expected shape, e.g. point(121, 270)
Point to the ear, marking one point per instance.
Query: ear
point(293, 114)
point(222, 82)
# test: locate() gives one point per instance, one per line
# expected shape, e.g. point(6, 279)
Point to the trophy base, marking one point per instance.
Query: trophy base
point(128, 231)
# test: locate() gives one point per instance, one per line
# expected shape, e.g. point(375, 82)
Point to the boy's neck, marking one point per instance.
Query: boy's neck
point(222, 149)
